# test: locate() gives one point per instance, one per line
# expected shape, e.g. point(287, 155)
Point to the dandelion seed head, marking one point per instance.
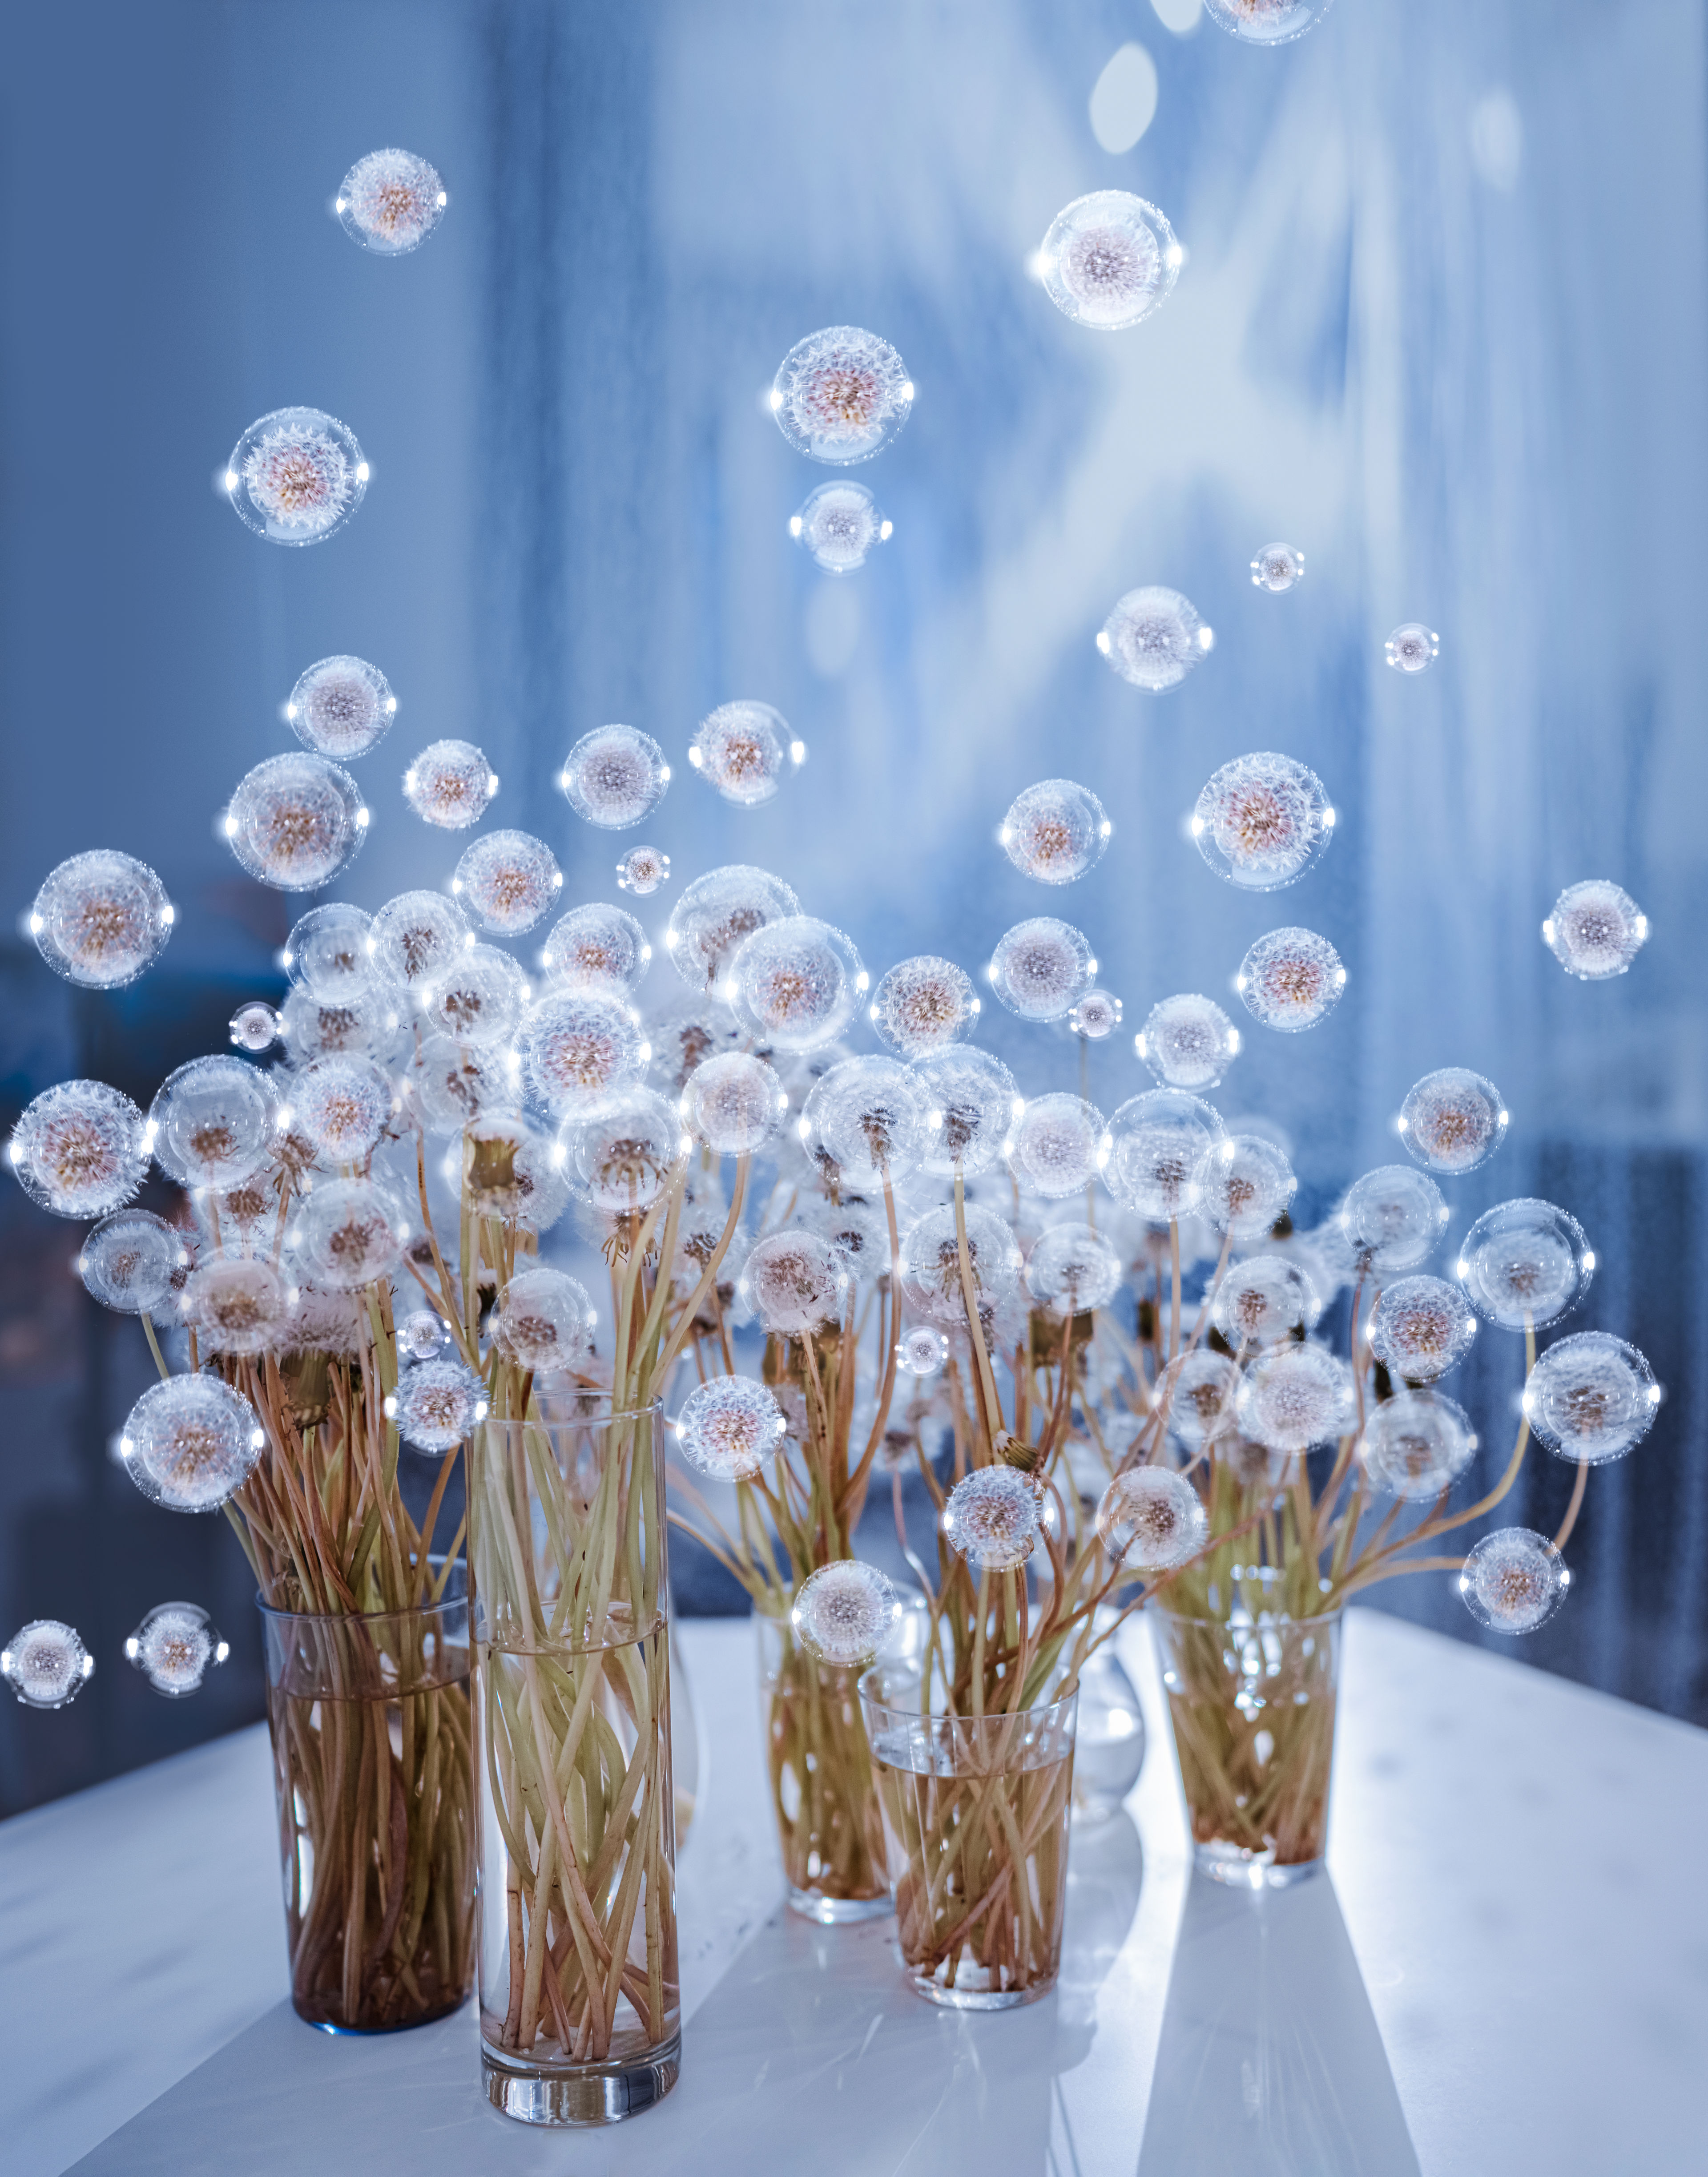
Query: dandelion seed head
point(1109, 260)
point(1525, 1261)
point(543, 1322)
point(717, 913)
point(1391, 1219)
point(614, 776)
point(859, 1231)
point(296, 476)
point(1198, 1392)
point(923, 1351)
point(971, 1101)
point(838, 525)
point(190, 1442)
point(237, 1304)
point(1289, 979)
point(1248, 1185)
point(1096, 1016)
point(348, 1233)
point(1514, 1580)
point(1591, 1396)
point(477, 999)
point(1151, 1518)
point(1054, 831)
point(1157, 1150)
point(327, 956)
point(1453, 1119)
point(100, 920)
point(843, 1612)
point(80, 1149)
point(1268, 22)
point(626, 1155)
point(1042, 967)
point(1054, 1146)
point(868, 1119)
point(596, 948)
point(449, 784)
point(684, 1032)
point(295, 822)
point(450, 1083)
point(342, 706)
point(1262, 1301)
point(735, 1104)
point(1154, 638)
point(1262, 822)
point(743, 749)
point(579, 1051)
point(730, 1428)
point(175, 1647)
point(840, 396)
point(414, 935)
point(133, 1262)
point(438, 1404)
point(928, 1265)
point(795, 983)
point(422, 1335)
point(1415, 1445)
point(1187, 1042)
point(389, 202)
point(508, 880)
point(45, 1664)
point(1277, 567)
point(991, 1519)
point(1294, 1396)
point(643, 870)
point(794, 1281)
point(1421, 1327)
point(214, 1120)
point(1071, 1269)
point(253, 1028)
point(924, 1004)
point(1595, 931)
point(343, 1105)
point(1412, 648)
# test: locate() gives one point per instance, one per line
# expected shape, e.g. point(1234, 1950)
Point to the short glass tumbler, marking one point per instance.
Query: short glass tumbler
point(975, 1829)
point(823, 1792)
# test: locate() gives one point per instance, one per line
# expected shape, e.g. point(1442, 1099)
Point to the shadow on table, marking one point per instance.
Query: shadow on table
point(1271, 2061)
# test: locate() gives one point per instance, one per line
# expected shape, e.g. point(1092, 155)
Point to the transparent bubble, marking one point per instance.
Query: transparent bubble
point(1042, 967)
point(845, 1613)
point(1277, 567)
point(796, 983)
point(869, 1120)
point(729, 1428)
point(1153, 637)
point(1109, 259)
point(924, 1004)
point(414, 935)
point(449, 1084)
point(437, 1405)
point(1151, 1518)
point(1294, 1396)
point(972, 1100)
point(837, 525)
point(509, 881)
point(1421, 1327)
point(1268, 22)
point(422, 1335)
point(80, 1149)
point(327, 954)
point(716, 916)
point(1392, 1218)
point(840, 396)
point(928, 1265)
point(1595, 930)
point(685, 1033)
point(614, 776)
point(133, 1262)
point(254, 1028)
point(860, 1232)
point(643, 870)
point(734, 1103)
point(1097, 1015)
point(597, 948)
point(478, 1000)
point(1591, 1396)
point(794, 1281)
point(102, 920)
point(1054, 831)
point(348, 1233)
point(175, 1647)
point(190, 1442)
point(1188, 1042)
point(544, 1322)
point(1524, 1262)
point(1263, 1301)
point(295, 822)
point(449, 784)
point(580, 1051)
point(1453, 1119)
point(215, 1121)
point(1291, 980)
point(1158, 1144)
point(389, 202)
point(239, 1304)
point(923, 1351)
point(991, 1519)
point(343, 1105)
point(1054, 1146)
point(1248, 1185)
point(625, 1157)
point(45, 1664)
point(1198, 1392)
point(745, 750)
point(1514, 1580)
point(1415, 1445)
point(342, 708)
point(240, 1220)
point(361, 1028)
point(1262, 822)
point(1412, 648)
point(515, 1171)
point(296, 476)
point(1071, 1269)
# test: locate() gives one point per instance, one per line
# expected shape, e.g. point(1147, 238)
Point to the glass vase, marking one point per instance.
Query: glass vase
point(1252, 1703)
point(975, 1815)
point(1108, 1743)
point(823, 1792)
point(579, 1990)
point(372, 1734)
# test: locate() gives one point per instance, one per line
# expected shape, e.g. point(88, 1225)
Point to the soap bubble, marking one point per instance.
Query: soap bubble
point(327, 954)
point(514, 1170)
point(238, 1304)
point(642, 869)
point(1268, 22)
point(840, 396)
point(1392, 1217)
point(240, 1220)
point(614, 776)
point(450, 1084)
point(348, 1233)
point(1514, 1580)
point(175, 1646)
point(1153, 637)
point(342, 706)
point(1054, 831)
point(296, 476)
point(686, 1032)
point(1042, 967)
point(1262, 1301)
point(414, 935)
point(1073, 1269)
point(477, 999)
point(215, 1121)
point(1188, 1042)
point(597, 948)
point(1420, 1327)
point(342, 1105)
point(716, 916)
point(449, 784)
point(437, 1405)
point(1591, 1396)
point(1277, 567)
point(1054, 1146)
point(1157, 1145)
point(745, 749)
point(578, 1050)
point(190, 1442)
point(794, 1281)
point(364, 1027)
point(1595, 930)
point(1198, 1392)
point(923, 1351)
point(922, 1004)
point(133, 1262)
point(1151, 1519)
point(1294, 1396)
point(734, 1103)
point(929, 1266)
point(45, 1664)
point(1412, 648)
point(991, 1519)
point(100, 920)
point(868, 1119)
point(972, 1100)
point(729, 1428)
point(389, 202)
point(80, 1149)
point(509, 878)
point(1097, 1015)
point(1453, 1119)
point(295, 822)
point(1290, 979)
point(253, 1028)
point(845, 1613)
point(422, 1335)
point(1524, 1262)
point(1415, 1445)
point(1262, 821)
point(627, 1154)
point(544, 1322)
point(1248, 1185)
point(1109, 260)
point(837, 525)
point(795, 983)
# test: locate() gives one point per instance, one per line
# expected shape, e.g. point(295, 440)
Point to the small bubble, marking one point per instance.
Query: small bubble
point(1524, 1262)
point(1453, 1119)
point(1595, 930)
point(1591, 1396)
point(1188, 1042)
point(1151, 1519)
point(190, 1442)
point(838, 525)
point(845, 1613)
point(795, 983)
point(1109, 260)
point(254, 1028)
point(1054, 1146)
point(1277, 567)
point(922, 1004)
point(643, 870)
point(991, 1519)
point(840, 396)
point(1154, 638)
point(1416, 1444)
point(100, 920)
point(343, 707)
point(729, 1428)
point(1291, 980)
point(45, 1664)
point(923, 1351)
point(295, 822)
point(614, 776)
point(449, 784)
point(389, 202)
point(1514, 1580)
point(1042, 967)
point(1421, 1327)
point(438, 1404)
point(80, 1149)
point(422, 1335)
point(744, 749)
point(1392, 1218)
point(296, 476)
point(544, 1322)
point(1412, 648)
point(1073, 1269)
point(1054, 831)
point(1262, 822)
point(175, 1647)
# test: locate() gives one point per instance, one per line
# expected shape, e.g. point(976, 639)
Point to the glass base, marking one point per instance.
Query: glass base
point(837, 1911)
point(966, 1994)
point(1239, 1869)
point(582, 2094)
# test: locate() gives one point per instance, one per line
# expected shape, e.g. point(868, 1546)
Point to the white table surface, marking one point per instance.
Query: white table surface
point(1507, 1969)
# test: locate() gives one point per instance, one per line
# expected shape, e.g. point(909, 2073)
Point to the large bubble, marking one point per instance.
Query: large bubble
point(717, 913)
point(1109, 260)
point(295, 822)
point(1262, 821)
point(614, 776)
point(296, 476)
point(101, 919)
point(190, 1442)
point(730, 1427)
point(1591, 1396)
point(840, 396)
point(340, 706)
point(1154, 638)
point(80, 1149)
point(1524, 1263)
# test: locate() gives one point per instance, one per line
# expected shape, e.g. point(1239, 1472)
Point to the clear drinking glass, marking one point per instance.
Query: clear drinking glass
point(975, 1829)
point(823, 1792)
point(579, 1991)
point(1109, 1743)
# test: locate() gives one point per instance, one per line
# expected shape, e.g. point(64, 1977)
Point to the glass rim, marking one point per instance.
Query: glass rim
point(448, 1600)
point(612, 1413)
point(1040, 1710)
point(1275, 1619)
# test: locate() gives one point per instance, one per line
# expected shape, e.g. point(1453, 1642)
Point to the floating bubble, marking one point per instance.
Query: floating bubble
point(1188, 1042)
point(476, 1000)
point(580, 1051)
point(1262, 1301)
point(513, 1170)
point(1054, 1146)
point(1453, 1119)
point(734, 1103)
point(642, 869)
point(343, 1105)
point(1151, 1519)
point(1153, 637)
point(175, 1647)
point(1198, 1392)
point(80, 1149)
point(342, 708)
point(972, 1101)
point(359, 1028)
point(449, 1083)
point(859, 1231)
point(1042, 967)
point(614, 776)
point(240, 1220)
point(327, 955)
point(100, 920)
point(1157, 1148)
point(1268, 22)
point(1294, 1396)
point(794, 1281)
point(730, 1428)
point(1514, 1580)
point(449, 784)
point(295, 822)
point(422, 1334)
point(544, 1322)
point(1277, 567)
point(1420, 1327)
point(1109, 259)
point(687, 1031)
point(795, 983)
point(45, 1664)
point(1247, 1187)
point(868, 1120)
point(215, 1121)
point(837, 525)
point(1096, 1016)
point(1595, 931)
point(1262, 822)
point(1412, 648)
point(991, 1519)
point(716, 916)
point(347, 1234)
point(1415, 1445)
point(627, 1155)
point(1591, 1396)
point(922, 1004)
point(190, 1442)
point(597, 948)
point(928, 1265)
point(415, 935)
point(1054, 831)
point(1392, 1217)
point(845, 1613)
point(437, 1405)
point(922, 1351)
point(744, 749)
point(254, 1028)
point(389, 202)
point(840, 396)
point(238, 1304)
point(1289, 979)
point(296, 476)
point(1071, 1269)
point(508, 880)
point(1524, 1263)
point(133, 1262)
